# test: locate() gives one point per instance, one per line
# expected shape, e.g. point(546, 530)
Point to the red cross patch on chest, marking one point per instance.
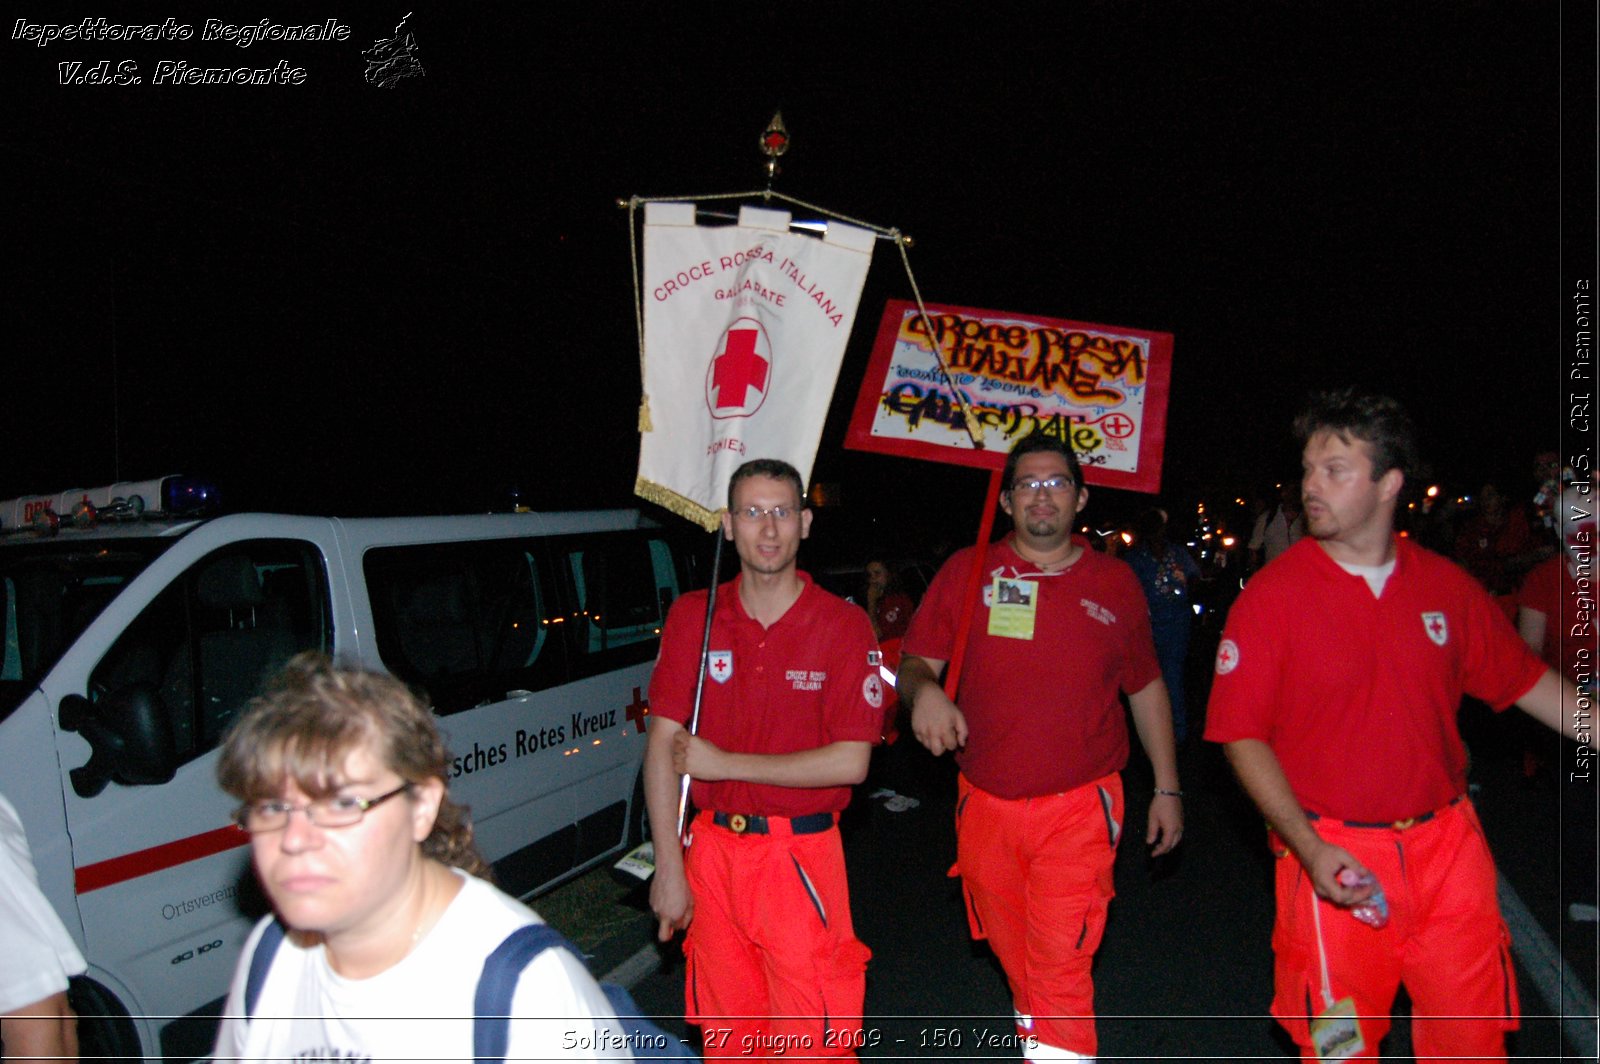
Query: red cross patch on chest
point(1434, 624)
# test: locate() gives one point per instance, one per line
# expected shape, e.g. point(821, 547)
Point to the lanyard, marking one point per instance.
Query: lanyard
point(1322, 952)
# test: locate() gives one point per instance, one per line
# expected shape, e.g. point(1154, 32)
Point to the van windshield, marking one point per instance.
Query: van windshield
point(50, 591)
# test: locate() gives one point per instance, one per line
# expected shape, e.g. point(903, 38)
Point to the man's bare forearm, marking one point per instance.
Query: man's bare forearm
point(915, 673)
point(1262, 778)
point(661, 788)
point(1151, 709)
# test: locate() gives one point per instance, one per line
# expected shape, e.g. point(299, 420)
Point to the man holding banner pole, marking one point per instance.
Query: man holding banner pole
point(791, 706)
point(1038, 731)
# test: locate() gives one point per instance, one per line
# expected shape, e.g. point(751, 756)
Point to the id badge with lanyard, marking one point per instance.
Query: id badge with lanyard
point(1336, 1031)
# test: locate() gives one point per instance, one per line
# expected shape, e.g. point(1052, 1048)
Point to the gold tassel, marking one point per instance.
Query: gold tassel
point(644, 415)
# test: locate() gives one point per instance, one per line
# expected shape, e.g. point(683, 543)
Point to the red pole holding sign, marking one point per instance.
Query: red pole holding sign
point(991, 498)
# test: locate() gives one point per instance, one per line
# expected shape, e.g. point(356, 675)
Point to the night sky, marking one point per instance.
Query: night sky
point(334, 297)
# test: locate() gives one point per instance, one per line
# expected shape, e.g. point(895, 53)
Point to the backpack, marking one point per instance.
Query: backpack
point(497, 985)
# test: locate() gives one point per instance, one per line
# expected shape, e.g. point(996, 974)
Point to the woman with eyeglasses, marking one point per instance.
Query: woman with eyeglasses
point(382, 903)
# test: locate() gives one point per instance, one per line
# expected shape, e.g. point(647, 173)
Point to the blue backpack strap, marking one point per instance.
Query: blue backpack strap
point(497, 985)
point(260, 962)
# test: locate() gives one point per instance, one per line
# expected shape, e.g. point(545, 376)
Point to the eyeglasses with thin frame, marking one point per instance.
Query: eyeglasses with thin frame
point(1051, 484)
point(340, 811)
point(753, 514)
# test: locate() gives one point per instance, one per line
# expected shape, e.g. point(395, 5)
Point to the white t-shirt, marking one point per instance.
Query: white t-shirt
point(422, 1008)
point(36, 953)
point(1274, 533)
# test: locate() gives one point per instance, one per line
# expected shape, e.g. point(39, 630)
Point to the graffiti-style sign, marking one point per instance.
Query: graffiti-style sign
point(1102, 388)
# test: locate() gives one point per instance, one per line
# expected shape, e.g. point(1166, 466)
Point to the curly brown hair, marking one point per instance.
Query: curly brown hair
point(312, 714)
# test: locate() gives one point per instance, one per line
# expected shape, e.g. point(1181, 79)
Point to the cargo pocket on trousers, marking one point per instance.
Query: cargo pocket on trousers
point(1296, 997)
point(1295, 1000)
point(691, 993)
point(1508, 997)
point(842, 967)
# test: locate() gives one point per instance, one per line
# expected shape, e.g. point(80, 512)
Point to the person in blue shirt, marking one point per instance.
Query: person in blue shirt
point(1167, 572)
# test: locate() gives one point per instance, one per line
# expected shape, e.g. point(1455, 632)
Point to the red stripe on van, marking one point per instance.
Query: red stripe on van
point(158, 858)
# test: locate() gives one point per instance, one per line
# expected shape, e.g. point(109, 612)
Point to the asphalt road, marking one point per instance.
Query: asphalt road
point(1185, 968)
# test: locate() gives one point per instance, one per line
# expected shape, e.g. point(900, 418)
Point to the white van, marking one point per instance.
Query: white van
point(132, 644)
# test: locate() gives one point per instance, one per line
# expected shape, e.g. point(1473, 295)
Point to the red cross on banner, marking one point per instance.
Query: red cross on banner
point(738, 369)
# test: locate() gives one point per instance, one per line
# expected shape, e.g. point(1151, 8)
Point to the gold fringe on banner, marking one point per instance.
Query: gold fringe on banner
point(688, 509)
point(644, 415)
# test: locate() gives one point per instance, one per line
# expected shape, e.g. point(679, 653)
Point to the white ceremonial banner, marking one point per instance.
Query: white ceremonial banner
point(744, 329)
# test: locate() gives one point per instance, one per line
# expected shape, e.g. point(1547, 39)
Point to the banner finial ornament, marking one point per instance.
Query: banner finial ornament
point(774, 142)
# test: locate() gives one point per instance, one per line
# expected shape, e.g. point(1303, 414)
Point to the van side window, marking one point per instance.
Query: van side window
point(618, 587)
point(209, 642)
point(469, 623)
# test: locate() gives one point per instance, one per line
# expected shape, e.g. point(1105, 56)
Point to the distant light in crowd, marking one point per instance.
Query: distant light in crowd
point(1433, 491)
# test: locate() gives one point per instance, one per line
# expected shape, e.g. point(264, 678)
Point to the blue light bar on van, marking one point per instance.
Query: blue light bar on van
point(188, 495)
point(173, 496)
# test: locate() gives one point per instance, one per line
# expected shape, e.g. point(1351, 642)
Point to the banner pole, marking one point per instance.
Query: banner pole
point(700, 680)
point(991, 498)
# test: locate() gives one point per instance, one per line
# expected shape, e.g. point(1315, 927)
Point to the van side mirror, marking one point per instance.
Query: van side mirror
point(129, 735)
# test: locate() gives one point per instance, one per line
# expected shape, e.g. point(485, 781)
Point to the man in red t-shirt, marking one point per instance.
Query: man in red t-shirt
point(1337, 686)
point(1058, 630)
point(791, 705)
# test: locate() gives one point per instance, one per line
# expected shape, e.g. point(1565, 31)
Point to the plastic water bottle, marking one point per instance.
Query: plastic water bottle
point(1374, 912)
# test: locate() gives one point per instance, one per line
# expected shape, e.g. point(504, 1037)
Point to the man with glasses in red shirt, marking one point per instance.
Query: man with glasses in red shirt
point(791, 705)
point(1058, 631)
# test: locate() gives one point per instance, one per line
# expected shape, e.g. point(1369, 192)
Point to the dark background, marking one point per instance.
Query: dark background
point(335, 297)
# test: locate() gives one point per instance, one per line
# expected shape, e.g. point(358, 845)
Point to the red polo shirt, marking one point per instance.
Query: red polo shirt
point(801, 684)
point(1357, 695)
point(1042, 714)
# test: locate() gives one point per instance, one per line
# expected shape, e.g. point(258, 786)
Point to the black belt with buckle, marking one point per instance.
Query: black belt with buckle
point(750, 824)
point(1393, 825)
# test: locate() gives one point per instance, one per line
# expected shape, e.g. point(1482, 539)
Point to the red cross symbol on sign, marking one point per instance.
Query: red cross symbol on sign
point(638, 709)
point(738, 369)
point(1436, 626)
point(1117, 426)
point(719, 666)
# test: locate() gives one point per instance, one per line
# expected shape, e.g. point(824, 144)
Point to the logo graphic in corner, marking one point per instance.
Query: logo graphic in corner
point(1438, 631)
point(1227, 657)
point(719, 665)
point(872, 690)
point(740, 371)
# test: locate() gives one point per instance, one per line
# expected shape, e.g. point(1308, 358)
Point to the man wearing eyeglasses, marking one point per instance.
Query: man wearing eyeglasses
point(791, 705)
point(1038, 731)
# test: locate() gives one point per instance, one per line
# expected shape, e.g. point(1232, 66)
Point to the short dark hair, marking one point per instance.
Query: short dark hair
point(1041, 441)
point(775, 468)
point(1376, 419)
